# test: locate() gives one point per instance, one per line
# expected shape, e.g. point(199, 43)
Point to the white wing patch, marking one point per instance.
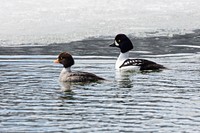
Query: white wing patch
point(132, 62)
point(142, 63)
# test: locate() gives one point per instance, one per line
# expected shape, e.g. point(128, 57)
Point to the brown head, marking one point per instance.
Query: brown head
point(66, 59)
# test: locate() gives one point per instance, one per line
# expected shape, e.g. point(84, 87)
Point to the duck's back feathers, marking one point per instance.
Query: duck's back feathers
point(79, 77)
point(143, 64)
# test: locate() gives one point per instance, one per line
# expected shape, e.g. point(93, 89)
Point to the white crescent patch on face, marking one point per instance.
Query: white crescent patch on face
point(117, 44)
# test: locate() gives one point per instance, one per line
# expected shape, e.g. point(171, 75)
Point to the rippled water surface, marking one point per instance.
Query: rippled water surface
point(32, 99)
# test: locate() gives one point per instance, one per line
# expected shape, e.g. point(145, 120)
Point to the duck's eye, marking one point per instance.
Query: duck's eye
point(119, 40)
point(61, 58)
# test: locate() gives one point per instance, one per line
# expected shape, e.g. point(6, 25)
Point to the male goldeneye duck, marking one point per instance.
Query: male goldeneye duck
point(124, 63)
point(67, 75)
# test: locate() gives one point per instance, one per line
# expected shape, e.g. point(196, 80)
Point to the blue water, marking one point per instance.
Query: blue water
point(32, 99)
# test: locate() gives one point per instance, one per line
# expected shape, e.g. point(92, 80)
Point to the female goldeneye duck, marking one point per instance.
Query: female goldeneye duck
point(124, 63)
point(67, 75)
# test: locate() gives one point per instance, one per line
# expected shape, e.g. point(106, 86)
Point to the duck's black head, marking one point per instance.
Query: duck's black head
point(123, 42)
point(66, 59)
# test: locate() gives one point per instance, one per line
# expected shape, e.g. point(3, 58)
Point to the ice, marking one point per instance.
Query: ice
point(40, 22)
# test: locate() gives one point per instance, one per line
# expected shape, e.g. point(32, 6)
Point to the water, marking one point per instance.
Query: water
point(32, 98)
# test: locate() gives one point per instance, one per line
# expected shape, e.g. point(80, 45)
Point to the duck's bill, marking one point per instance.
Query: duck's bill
point(112, 45)
point(56, 61)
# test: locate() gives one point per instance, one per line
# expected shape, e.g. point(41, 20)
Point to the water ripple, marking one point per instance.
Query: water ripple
point(32, 99)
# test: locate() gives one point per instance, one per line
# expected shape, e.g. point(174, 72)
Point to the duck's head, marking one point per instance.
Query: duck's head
point(66, 59)
point(123, 42)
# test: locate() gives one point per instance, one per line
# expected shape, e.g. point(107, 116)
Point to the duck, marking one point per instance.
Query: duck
point(123, 62)
point(67, 75)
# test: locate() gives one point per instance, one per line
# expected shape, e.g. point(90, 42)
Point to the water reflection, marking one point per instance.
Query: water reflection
point(66, 86)
point(70, 86)
point(124, 78)
point(67, 95)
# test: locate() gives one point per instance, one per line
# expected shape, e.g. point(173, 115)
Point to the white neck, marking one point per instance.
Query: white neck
point(121, 58)
point(68, 69)
point(63, 73)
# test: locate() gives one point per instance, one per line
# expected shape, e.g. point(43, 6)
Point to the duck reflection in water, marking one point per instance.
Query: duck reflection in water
point(124, 79)
point(69, 86)
point(66, 86)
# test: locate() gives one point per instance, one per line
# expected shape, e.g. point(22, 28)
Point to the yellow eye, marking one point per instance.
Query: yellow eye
point(61, 58)
point(119, 40)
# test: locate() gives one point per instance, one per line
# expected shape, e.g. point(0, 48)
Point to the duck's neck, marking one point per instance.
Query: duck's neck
point(64, 73)
point(68, 69)
point(121, 58)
